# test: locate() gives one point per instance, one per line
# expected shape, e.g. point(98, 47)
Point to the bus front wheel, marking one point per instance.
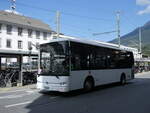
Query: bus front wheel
point(88, 84)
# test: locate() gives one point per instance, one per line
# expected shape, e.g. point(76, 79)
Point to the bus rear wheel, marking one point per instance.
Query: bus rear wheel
point(123, 79)
point(88, 85)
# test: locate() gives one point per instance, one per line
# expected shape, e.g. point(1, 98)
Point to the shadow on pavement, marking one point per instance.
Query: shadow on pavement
point(112, 98)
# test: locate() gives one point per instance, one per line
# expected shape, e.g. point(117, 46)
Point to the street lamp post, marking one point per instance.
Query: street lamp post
point(140, 40)
point(118, 27)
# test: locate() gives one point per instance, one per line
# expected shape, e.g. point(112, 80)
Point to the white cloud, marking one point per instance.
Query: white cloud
point(143, 2)
point(145, 11)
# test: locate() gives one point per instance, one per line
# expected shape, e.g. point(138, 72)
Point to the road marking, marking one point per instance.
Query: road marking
point(23, 103)
point(18, 104)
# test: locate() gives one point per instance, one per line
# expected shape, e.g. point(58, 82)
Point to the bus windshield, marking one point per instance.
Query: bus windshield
point(54, 59)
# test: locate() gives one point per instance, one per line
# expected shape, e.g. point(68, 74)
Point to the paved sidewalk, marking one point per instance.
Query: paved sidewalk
point(33, 86)
point(138, 74)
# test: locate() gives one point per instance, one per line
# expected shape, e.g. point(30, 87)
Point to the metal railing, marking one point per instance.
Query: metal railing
point(10, 77)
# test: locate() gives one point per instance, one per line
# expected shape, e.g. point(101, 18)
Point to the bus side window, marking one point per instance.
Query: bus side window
point(112, 59)
point(80, 56)
point(75, 62)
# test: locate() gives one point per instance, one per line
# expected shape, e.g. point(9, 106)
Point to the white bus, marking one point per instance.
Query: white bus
point(70, 64)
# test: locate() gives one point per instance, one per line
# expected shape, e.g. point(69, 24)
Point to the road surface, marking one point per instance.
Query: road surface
point(131, 98)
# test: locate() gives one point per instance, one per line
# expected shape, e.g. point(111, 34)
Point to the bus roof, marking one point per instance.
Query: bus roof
point(90, 42)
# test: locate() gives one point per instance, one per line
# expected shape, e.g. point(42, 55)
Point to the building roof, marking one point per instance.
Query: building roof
point(23, 21)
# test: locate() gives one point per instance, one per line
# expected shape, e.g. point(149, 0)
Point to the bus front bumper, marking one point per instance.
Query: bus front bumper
point(52, 87)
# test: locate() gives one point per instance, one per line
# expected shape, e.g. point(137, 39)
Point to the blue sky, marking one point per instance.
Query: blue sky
point(82, 18)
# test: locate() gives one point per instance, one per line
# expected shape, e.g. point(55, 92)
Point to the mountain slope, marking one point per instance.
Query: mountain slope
point(132, 39)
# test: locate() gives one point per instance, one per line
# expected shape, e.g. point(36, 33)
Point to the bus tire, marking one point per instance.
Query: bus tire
point(88, 84)
point(123, 79)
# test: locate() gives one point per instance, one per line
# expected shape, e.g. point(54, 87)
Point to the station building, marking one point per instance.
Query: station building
point(20, 36)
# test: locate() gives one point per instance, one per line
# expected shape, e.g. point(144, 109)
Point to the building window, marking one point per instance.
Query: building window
point(0, 27)
point(20, 46)
point(9, 29)
point(37, 45)
point(30, 32)
point(37, 34)
point(45, 35)
point(8, 43)
point(29, 45)
point(20, 30)
point(0, 42)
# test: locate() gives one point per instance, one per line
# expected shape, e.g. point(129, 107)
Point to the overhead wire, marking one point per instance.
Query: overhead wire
point(64, 13)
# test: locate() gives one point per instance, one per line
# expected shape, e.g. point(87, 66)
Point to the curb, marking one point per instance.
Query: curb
point(5, 89)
